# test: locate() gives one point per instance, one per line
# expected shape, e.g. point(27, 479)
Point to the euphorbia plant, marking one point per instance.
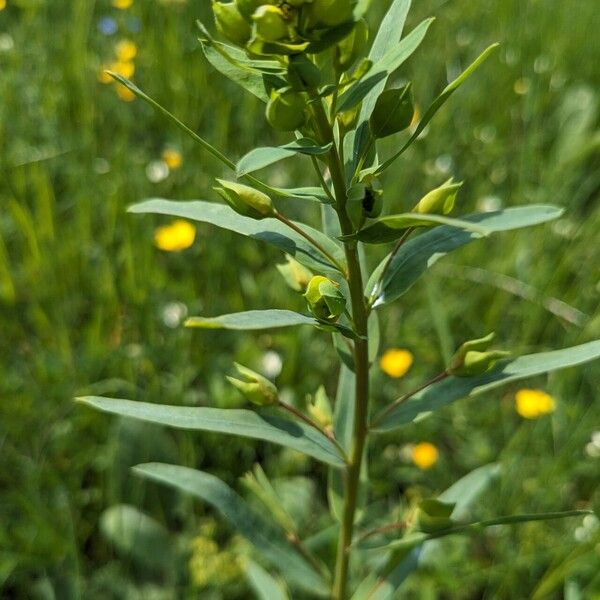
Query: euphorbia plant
point(309, 61)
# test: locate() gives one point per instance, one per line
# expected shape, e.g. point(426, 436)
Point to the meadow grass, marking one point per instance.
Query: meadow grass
point(87, 302)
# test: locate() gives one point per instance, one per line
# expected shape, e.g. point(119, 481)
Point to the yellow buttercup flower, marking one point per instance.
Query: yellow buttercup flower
point(124, 68)
point(531, 404)
point(125, 93)
point(2, 4)
point(425, 455)
point(125, 50)
point(175, 237)
point(396, 362)
point(172, 158)
point(122, 4)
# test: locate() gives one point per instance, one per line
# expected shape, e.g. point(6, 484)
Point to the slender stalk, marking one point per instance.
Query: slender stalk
point(322, 179)
point(361, 356)
point(391, 407)
point(306, 419)
point(336, 263)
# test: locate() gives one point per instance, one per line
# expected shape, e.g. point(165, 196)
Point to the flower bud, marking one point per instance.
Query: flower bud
point(296, 275)
point(256, 388)
point(329, 13)
point(439, 201)
point(434, 515)
point(319, 408)
point(325, 301)
point(303, 74)
point(248, 7)
point(393, 112)
point(473, 358)
point(245, 200)
point(286, 110)
point(352, 46)
point(270, 23)
point(231, 23)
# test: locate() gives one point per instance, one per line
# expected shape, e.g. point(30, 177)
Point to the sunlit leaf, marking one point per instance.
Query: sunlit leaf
point(419, 254)
point(268, 539)
point(260, 424)
point(263, 157)
point(506, 371)
point(263, 583)
point(267, 230)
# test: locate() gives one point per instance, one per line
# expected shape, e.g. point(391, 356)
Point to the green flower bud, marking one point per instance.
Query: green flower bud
point(329, 13)
point(246, 200)
point(352, 46)
point(393, 112)
point(439, 201)
point(319, 408)
point(231, 23)
point(286, 110)
point(325, 301)
point(270, 23)
point(473, 358)
point(256, 388)
point(303, 74)
point(248, 7)
point(296, 275)
point(434, 515)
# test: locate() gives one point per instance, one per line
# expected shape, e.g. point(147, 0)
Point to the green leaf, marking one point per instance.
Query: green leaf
point(249, 79)
point(263, 583)
point(136, 536)
point(268, 539)
point(507, 371)
point(474, 527)
point(314, 194)
point(417, 255)
point(437, 104)
point(384, 67)
point(271, 231)
point(140, 94)
point(252, 320)
point(402, 564)
point(391, 228)
point(260, 424)
point(263, 157)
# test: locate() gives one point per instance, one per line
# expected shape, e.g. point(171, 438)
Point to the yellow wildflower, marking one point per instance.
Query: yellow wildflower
point(124, 68)
point(425, 455)
point(396, 362)
point(175, 237)
point(531, 404)
point(172, 158)
point(125, 51)
point(103, 76)
point(122, 4)
point(125, 93)
point(2, 4)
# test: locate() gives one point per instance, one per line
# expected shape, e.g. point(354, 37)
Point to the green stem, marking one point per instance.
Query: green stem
point(336, 263)
point(361, 357)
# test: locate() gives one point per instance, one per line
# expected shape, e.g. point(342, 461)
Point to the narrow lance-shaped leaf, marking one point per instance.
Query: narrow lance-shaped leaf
point(417, 255)
point(391, 228)
point(263, 157)
point(265, 319)
point(383, 68)
point(263, 583)
point(384, 584)
point(267, 538)
point(271, 231)
point(474, 527)
point(437, 104)
point(140, 94)
point(260, 424)
point(506, 371)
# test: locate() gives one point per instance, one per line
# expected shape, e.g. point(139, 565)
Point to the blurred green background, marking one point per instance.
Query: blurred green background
point(89, 305)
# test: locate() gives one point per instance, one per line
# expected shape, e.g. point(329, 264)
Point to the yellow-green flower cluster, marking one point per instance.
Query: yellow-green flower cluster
point(282, 26)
